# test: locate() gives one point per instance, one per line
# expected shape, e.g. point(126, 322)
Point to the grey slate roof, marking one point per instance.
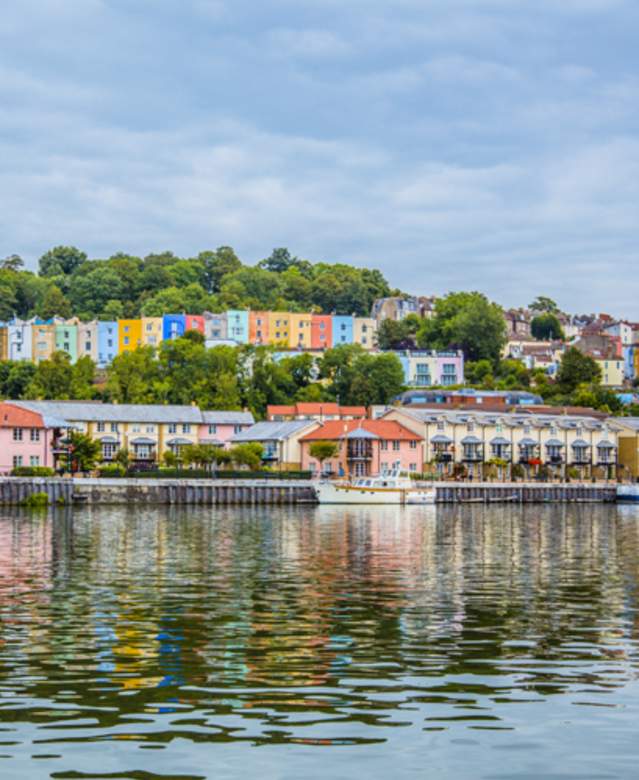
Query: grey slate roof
point(86, 411)
point(580, 443)
point(361, 433)
point(500, 440)
point(470, 440)
point(554, 443)
point(228, 418)
point(271, 431)
point(441, 439)
point(528, 443)
point(606, 445)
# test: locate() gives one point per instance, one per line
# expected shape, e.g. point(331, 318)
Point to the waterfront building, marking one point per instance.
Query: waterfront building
point(278, 328)
point(280, 440)
point(365, 448)
point(108, 342)
point(474, 439)
point(469, 397)
point(88, 340)
point(28, 438)
point(238, 326)
point(4, 353)
point(314, 411)
point(365, 332)
point(129, 335)
point(321, 331)
point(258, 328)
point(151, 332)
point(43, 336)
point(173, 326)
point(342, 330)
point(629, 446)
point(219, 427)
point(300, 336)
point(19, 340)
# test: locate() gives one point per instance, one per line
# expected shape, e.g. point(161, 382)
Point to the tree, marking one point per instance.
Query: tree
point(12, 263)
point(123, 458)
point(84, 452)
point(394, 334)
point(61, 260)
point(357, 377)
point(544, 304)
point(279, 260)
point(133, 377)
point(54, 304)
point(546, 327)
point(15, 377)
point(323, 450)
point(249, 454)
point(467, 321)
point(218, 264)
point(577, 369)
point(52, 379)
point(90, 292)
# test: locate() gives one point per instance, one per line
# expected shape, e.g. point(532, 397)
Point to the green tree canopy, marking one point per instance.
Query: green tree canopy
point(61, 261)
point(546, 327)
point(577, 369)
point(544, 304)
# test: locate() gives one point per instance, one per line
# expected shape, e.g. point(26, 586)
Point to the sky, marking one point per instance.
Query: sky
point(487, 145)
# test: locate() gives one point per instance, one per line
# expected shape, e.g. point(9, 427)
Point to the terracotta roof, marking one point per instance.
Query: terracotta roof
point(15, 417)
point(275, 409)
point(316, 408)
point(360, 411)
point(385, 429)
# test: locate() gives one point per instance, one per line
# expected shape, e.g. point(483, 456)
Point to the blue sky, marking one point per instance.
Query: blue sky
point(454, 144)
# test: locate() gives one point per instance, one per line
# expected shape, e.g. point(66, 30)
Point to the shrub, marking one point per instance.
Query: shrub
point(36, 500)
point(112, 470)
point(32, 471)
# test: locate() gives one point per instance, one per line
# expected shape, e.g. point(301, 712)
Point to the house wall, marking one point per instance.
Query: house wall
point(4, 355)
point(152, 331)
point(129, 335)
point(258, 327)
point(342, 330)
point(629, 452)
point(43, 342)
point(108, 342)
point(215, 327)
point(66, 340)
point(365, 332)
point(173, 326)
point(219, 432)
point(279, 328)
point(88, 340)
point(384, 457)
point(612, 372)
point(238, 325)
point(19, 340)
point(195, 322)
point(321, 331)
point(300, 331)
point(25, 449)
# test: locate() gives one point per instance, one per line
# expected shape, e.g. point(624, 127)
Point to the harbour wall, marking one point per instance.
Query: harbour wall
point(17, 490)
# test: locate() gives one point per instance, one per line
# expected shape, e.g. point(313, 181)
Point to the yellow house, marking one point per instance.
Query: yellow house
point(3, 343)
point(43, 342)
point(628, 445)
point(612, 372)
point(152, 331)
point(299, 331)
point(365, 332)
point(279, 327)
point(130, 334)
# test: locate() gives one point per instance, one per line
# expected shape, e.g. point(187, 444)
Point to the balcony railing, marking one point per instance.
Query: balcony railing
point(360, 451)
point(473, 455)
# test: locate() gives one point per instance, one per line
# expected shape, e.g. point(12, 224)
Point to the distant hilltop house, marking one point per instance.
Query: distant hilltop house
point(518, 323)
point(399, 307)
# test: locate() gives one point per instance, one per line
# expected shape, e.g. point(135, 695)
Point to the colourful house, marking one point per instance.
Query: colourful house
point(108, 343)
point(27, 438)
point(238, 326)
point(88, 340)
point(279, 327)
point(299, 332)
point(3, 342)
point(152, 330)
point(365, 332)
point(218, 428)
point(342, 330)
point(43, 338)
point(364, 448)
point(66, 338)
point(174, 326)
point(426, 368)
point(195, 322)
point(130, 335)
point(258, 327)
point(19, 340)
point(215, 326)
point(321, 331)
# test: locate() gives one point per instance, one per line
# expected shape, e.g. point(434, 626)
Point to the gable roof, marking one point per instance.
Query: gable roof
point(332, 430)
point(88, 411)
point(14, 417)
point(227, 418)
point(272, 430)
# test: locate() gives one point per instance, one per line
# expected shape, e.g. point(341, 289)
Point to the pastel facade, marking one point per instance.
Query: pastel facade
point(364, 448)
point(173, 326)
point(426, 368)
point(321, 331)
point(629, 446)
point(279, 328)
point(66, 338)
point(88, 340)
point(129, 335)
point(43, 336)
point(218, 428)
point(612, 371)
point(280, 440)
point(473, 439)
point(27, 438)
point(342, 330)
point(19, 340)
point(108, 342)
point(195, 322)
point(215, 327)
point(152, 329)
point(238, 326)
point(300, 336)
point(314, 411)
point(4, 352)
point(365, 332)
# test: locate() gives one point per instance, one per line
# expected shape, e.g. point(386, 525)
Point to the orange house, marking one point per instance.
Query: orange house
point(258, 327)
point(321, 331)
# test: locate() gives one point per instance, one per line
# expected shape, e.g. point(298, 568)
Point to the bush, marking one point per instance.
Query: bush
point(32, 471)
point(112, 470)
point(36, 500)
point(165, 473)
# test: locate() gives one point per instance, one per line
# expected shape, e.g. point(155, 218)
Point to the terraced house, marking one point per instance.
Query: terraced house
point(559, 443)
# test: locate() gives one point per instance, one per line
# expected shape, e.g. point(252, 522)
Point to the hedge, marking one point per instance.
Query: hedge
point(167, 473)
point(32, 471)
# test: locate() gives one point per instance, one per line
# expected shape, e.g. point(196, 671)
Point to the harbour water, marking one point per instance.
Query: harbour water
point(320, 642)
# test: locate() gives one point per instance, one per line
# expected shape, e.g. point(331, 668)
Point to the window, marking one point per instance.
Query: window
point(441, 426)
point(101, 427)
point(383, 445)
point(108, 450)
point(135, 428)
point(34, 460)
point(66, 346)
point(237, 429)
point(114, 427)
point(470, 427)
point(17, 434)
point(35, 434)
point(149, 327)
point(150, 428)
point(413, 445)
point(526, 428)
point(213, 429)
point(413, 467)
point(172, 428)
point(186, 428)
point(87, 346)
point(109, 343)
point(396, 446)
point(17, 461)
point(126, 340)
point(126, 328)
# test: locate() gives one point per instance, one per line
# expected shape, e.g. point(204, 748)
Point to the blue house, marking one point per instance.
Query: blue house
point(237, 323)
point(173, 326)
point(107, 343)
point(342, 329)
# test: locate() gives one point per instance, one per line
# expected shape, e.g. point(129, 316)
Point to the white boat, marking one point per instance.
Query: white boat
point(389, 489)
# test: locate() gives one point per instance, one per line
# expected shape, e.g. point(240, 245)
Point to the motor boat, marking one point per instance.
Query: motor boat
point(388, 488)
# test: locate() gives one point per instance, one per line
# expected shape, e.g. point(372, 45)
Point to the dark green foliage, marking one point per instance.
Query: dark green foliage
point(32, 471)
point(546, 327)
point(577, 369)
point(36, 501)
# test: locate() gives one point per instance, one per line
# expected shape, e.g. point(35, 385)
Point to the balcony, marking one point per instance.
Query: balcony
point(360, 450)
point(473, 455)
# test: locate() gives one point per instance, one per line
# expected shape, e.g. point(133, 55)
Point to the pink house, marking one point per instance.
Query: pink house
point(365, 447)
point(27, 438)
point(219, 427)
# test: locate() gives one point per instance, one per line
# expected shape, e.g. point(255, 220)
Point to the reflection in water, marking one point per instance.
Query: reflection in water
point(477, 642)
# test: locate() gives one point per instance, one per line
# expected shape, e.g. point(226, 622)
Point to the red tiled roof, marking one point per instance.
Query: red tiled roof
point(385, 429)
point(16, 417)
point(275, 409)
point(316, 408)
point(359, 411)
